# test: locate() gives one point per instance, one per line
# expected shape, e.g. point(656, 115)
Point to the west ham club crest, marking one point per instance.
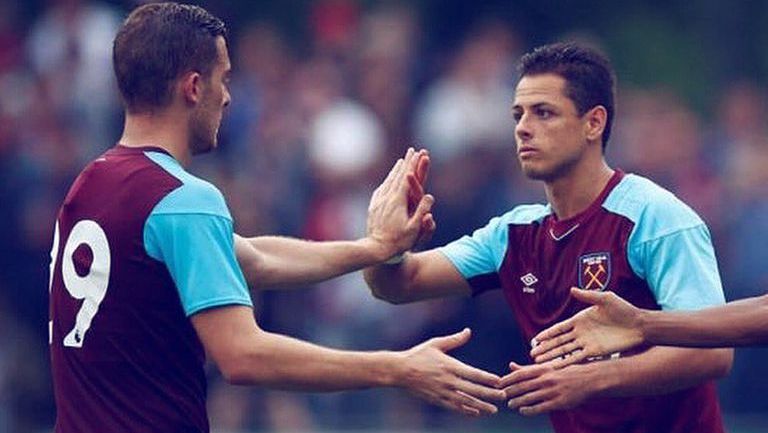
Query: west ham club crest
point(595, 271)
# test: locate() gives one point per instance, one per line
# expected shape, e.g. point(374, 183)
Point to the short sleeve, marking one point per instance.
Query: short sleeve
point(681, 269)
point(669, 247)
point(479, 257)
point(198, 250)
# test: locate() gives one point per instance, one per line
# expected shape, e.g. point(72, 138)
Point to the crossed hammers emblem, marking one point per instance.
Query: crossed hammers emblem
point(594, 277)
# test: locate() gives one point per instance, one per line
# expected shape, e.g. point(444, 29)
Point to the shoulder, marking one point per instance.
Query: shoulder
point(194, 196)
point(524, 214)
point(655, 211)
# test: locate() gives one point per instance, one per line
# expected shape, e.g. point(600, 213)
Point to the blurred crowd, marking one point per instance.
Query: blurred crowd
point(312, 129)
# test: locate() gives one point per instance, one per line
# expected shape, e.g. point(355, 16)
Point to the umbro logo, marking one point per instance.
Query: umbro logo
point(529, 280)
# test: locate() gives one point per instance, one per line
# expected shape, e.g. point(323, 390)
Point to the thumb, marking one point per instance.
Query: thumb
point(450, 342)
point(588, 296)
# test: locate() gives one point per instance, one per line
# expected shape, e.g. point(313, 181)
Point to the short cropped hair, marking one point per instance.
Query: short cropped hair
point(590, 79)
point(156, 44)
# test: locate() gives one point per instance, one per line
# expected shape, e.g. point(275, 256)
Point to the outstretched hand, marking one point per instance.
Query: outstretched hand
point(440, 379)
point(399, 214)
point(611, 325)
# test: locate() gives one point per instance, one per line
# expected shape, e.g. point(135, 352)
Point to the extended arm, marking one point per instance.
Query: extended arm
point(738, 323)
point(398, 216)
point(612, 325)
point(419, 276)
point(541, 388)
point(281, 262)
point(247, 355)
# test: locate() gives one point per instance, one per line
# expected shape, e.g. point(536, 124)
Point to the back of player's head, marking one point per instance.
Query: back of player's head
point(156, 44)
point(590, 80)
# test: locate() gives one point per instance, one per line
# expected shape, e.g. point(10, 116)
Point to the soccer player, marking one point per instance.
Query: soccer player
point(144, 274)
point(601, 230)
point(613, 324)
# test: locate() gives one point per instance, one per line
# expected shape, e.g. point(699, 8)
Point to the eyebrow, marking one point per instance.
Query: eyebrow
point(533, 106)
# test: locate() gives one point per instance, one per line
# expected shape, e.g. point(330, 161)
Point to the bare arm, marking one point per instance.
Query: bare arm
point(398, 214)
point(738, 323)
point(279, 262)
point(612, 325)
point(247, 355)
point(541, 388)
point(419, 276)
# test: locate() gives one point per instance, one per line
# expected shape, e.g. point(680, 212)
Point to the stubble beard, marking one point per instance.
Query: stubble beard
point(552, 172)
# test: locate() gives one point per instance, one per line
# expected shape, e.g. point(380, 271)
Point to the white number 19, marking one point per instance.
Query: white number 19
point(91, 287)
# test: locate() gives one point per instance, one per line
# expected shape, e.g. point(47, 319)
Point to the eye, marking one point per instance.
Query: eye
point(516, 116)
point(544, 113)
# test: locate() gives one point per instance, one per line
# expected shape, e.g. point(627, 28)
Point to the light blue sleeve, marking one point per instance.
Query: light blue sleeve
point(191, 231)
point(484, 251)
point(680, 268)
point(670, 247)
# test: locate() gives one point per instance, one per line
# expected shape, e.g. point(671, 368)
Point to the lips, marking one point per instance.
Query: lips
point(526, 150)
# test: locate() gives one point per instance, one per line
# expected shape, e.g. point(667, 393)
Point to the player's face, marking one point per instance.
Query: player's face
point(206, 119)
point(549, 131)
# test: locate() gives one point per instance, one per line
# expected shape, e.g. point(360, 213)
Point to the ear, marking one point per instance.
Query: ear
point(191, 87)
point(595, 121)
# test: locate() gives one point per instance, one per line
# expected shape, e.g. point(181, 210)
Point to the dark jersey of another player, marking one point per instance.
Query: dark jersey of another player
point(637, 240)
point(139, 246)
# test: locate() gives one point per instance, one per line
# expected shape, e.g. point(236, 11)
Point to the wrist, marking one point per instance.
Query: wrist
point(376, 250)
point(599, 382)
point(645, 320)
point(393, 369)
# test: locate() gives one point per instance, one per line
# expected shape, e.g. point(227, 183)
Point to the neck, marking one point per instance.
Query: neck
point(573, 192)
point(163, 130)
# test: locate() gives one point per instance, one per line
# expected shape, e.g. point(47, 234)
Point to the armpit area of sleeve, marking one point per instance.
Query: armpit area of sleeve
point(459, 256)
point(198, 250)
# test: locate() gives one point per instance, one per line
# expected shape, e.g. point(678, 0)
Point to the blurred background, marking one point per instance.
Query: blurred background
point(326, 95)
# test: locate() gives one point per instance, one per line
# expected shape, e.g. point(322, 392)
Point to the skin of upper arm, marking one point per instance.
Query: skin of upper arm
point(249, 259)
point(227, 333)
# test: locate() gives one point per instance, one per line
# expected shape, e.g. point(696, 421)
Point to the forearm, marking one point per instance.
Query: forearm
point(422, 275)
point(658, 370)
point(391, 282)
point(282, 362)
point(280, 262)
point(738, 323)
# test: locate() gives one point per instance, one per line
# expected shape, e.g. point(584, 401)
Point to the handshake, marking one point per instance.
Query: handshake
point(428, 373)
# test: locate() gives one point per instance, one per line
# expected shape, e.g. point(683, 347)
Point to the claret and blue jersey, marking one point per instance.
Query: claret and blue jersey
point(637, 240)
point(139, 246)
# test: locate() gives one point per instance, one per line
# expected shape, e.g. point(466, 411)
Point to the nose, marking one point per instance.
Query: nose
point(227, 97)
point(522, 129)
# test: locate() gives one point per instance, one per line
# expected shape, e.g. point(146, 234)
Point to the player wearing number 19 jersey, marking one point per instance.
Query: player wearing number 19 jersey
point(145, 267)
point(126, 274)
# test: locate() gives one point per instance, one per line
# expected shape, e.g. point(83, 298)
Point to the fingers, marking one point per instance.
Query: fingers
point(450, 342)
point(550, 333)
point(468, 401)
point(588, 296)
point(424, 207)
point(575, 357)
point(529, 399)
point(547, 344)
point(386, 185)
point(485, 393)
point(521, 374)
point(563, 351)
point(427, 229)
point(422, 167)
point(415, 192)
point(476, 375)
point(538, 409)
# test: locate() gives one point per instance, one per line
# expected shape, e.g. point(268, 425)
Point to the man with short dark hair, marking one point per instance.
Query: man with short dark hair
point(145, 275)
point(601, 230)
